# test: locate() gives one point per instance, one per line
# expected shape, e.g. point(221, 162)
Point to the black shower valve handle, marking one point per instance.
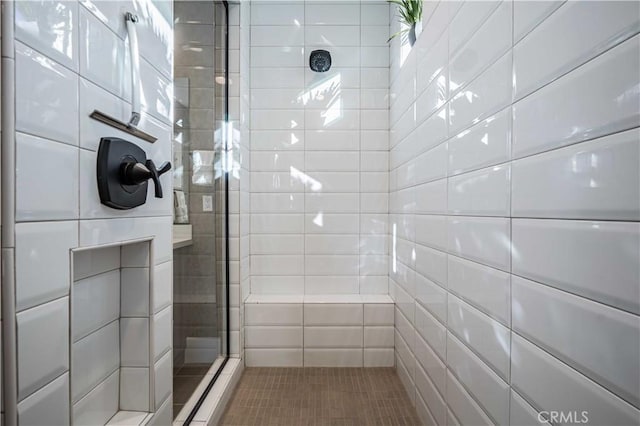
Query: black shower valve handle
point(134, 173)
point(156, 173)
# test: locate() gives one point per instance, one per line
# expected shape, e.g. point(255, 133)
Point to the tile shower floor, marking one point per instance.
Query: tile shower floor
point(320, 396)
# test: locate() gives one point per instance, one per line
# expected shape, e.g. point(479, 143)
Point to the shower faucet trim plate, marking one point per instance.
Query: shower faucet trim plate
point(123, 174)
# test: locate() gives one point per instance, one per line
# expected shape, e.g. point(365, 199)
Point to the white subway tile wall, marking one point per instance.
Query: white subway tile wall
point(69, 58)
point(513, 211)
point(319, 150)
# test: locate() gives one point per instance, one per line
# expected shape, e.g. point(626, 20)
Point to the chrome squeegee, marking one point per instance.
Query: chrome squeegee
point(131, 126)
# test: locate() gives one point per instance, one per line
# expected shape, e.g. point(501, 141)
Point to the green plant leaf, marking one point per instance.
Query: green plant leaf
point(409, 11)
point(397, 34)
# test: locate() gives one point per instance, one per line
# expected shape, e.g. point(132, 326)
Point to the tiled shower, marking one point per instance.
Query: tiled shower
point(462, 212)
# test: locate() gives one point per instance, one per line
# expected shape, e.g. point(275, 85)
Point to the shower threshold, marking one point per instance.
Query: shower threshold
point(218, 396)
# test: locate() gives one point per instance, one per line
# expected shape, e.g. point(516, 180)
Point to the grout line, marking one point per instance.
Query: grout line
point(44, 386)
point(102, 380)
point(583, 297)
point(475, 350)
point(56, 299)
point(570, 367)
point(471, 394)
point(438, 323)
point(577, 64)
point(95, 274)
point(49, 139)
point(544, 18)
point(102, 327)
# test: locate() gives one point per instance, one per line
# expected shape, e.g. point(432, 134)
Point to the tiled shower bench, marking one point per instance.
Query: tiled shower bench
point(319, 331)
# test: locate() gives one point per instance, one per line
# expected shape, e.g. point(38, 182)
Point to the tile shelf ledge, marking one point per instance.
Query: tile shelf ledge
point(182, 236)
point(319, 298)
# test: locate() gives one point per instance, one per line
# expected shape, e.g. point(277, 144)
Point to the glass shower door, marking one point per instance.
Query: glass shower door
point(201, 277)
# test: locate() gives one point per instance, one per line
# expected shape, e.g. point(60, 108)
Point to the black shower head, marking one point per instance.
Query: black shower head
point(320, 61)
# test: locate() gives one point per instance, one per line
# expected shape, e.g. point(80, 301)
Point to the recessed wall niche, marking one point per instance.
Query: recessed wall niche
point(110, 335)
